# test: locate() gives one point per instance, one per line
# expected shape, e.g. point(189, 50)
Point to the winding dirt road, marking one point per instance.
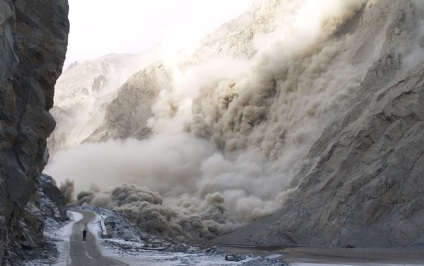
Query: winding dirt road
point(86, 252)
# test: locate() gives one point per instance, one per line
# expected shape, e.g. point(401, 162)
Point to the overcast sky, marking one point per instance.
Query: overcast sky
point(100, 27)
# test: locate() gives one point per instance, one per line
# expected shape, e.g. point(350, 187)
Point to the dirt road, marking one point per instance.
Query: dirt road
point(86, 252)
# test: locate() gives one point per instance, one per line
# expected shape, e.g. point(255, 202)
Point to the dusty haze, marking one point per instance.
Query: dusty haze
point(230, 131)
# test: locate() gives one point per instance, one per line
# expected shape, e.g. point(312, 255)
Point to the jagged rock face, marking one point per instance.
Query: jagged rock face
point(47, 202)
point(126, 116)
point(361, 184)
point(83, 91)
point(235, 39)
point(49, 189)
point(33, 41)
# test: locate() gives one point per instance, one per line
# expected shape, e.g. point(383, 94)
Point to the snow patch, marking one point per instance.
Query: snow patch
point(131, 246)
point(64, 234)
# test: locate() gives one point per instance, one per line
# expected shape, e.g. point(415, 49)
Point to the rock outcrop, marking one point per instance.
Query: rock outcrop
point(126, 116)
point(83, 92)
point(49, 189)
point(33, 41)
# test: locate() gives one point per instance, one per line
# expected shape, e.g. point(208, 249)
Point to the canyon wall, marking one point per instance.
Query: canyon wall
point(361, 182)
point(33, 42)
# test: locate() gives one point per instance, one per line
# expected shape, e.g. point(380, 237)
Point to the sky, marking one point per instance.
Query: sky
point(100, 27)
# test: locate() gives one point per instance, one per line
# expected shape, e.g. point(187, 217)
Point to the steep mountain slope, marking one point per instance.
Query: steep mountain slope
point(294, 105)
point(126, 116)
point(33, 39)
point(84, 90)
point(360, 185)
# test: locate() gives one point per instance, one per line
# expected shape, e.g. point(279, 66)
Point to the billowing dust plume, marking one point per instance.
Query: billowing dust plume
point(230, 133)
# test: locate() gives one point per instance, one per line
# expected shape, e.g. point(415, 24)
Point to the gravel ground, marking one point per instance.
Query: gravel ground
point(133, 247)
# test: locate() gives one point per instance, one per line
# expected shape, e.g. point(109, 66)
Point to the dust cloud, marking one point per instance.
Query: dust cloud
point(229, 134)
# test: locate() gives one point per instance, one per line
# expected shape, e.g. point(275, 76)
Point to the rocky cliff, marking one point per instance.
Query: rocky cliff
point(126, 116)
point(83, 92)
point(360, 185)
point(33, 41)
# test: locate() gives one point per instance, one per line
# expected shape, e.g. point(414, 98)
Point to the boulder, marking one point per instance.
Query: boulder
point(49, 188)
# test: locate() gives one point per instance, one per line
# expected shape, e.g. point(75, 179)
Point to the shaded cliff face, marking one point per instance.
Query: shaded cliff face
point(33, 41)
